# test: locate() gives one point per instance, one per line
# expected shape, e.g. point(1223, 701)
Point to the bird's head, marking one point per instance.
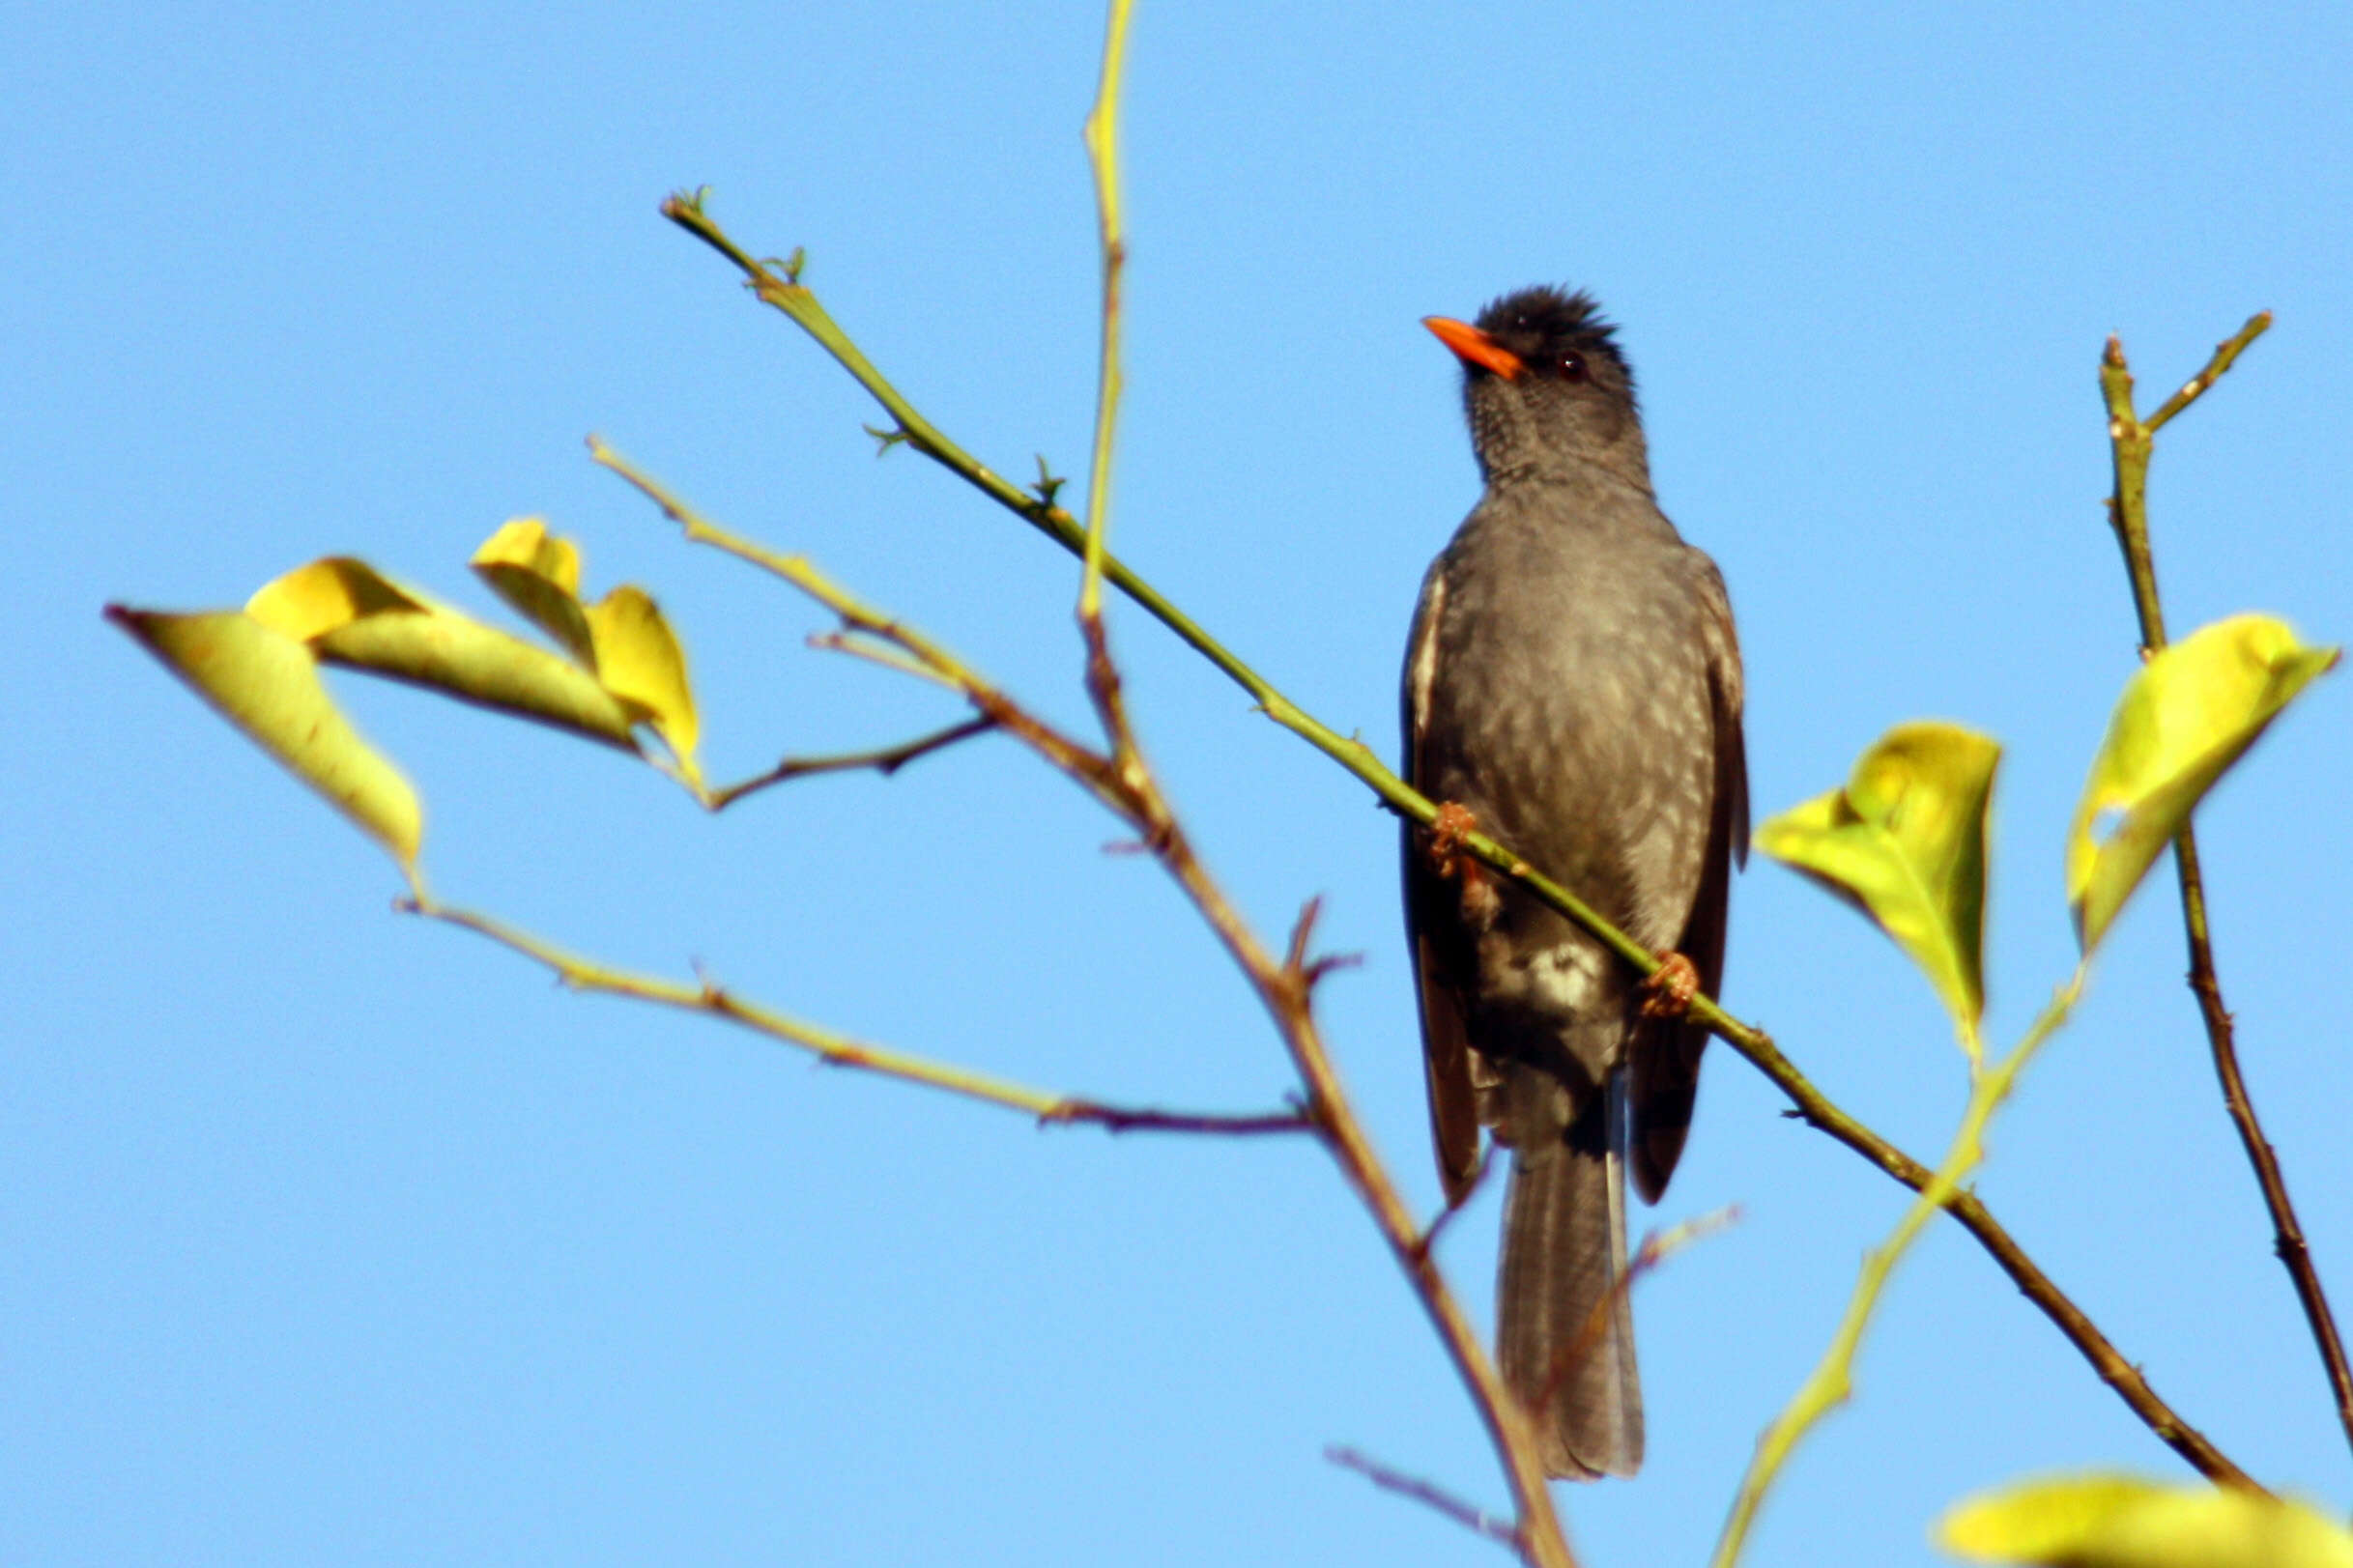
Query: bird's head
point(1546, 386)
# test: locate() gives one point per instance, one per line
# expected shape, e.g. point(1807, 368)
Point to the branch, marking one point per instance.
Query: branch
point(838, 1050)
point(784, 292)
point(1469, 1515)
point(2132, 442)
point(886, 760)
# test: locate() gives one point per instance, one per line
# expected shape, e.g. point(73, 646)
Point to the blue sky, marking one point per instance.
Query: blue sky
point(329, 1236)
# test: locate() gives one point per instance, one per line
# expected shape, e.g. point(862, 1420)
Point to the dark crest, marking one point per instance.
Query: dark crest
point(1542, 325)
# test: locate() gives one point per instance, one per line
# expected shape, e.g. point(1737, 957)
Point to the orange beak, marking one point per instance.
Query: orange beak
point(1474, 347)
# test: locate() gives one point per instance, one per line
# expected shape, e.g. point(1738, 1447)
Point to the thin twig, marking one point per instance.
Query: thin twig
point(785, 292)
point(1466, 1514)
point(1116, 1119)
point(1047, 1108)
point(2225, 353)
point(2132, 440)
point(885, 761)
point(1657, 1246)
point(853, 642)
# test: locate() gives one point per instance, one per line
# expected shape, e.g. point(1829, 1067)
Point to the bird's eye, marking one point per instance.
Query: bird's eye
point(1572, 366)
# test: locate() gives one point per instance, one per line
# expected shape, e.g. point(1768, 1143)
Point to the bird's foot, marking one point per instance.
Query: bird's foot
point(1670, 989)
point(1448, 830)
point(1481, 902)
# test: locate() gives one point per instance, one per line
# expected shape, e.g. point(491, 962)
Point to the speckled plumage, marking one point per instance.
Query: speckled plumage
point(1574, 681)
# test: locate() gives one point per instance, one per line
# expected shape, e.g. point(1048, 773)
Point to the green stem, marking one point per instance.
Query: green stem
point(1102, 153)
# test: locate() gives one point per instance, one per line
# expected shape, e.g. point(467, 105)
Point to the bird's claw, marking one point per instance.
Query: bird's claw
point(1447, 829)
point(1668, 992)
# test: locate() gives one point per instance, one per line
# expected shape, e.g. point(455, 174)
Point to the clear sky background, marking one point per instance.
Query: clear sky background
point(329, 1236)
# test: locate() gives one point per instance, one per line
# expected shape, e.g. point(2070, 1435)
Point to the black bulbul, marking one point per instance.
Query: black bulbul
point(1572, 688)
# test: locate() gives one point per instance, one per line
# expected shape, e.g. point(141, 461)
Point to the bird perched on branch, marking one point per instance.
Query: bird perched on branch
point(1573, 689)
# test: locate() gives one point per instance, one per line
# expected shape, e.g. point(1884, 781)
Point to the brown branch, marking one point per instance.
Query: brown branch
point(706, 996)
point(1469, 1515)
point(885, 761)
point(2133, 443)
point(1115, 1119)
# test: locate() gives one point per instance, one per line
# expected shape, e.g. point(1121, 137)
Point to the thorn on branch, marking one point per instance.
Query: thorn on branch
point(1301, 929)
point(1049, 486)
point(1306, 973)
point(1330, 961)
point(885, 440)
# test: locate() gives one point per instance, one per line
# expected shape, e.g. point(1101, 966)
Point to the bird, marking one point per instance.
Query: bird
point(1572, 689)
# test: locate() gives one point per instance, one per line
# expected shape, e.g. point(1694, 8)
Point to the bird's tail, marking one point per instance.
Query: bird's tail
point(1565, 1333)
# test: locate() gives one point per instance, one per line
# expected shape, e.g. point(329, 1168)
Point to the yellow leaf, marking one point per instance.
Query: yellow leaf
point(2184, 719)
point(352, 614)
point(266, 683)
point(329, 592)
point(1905, 841)
point(2121, 1522)
point(459, 656)
point(538, 574)
point(639, 659)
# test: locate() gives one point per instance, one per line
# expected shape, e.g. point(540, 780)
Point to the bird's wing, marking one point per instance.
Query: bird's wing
point(1445, 1040)
point(1666, 1055)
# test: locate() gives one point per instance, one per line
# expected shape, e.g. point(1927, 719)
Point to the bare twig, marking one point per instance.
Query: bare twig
point(710, 998)
point(1115, 1119)
point(885, 761)
point(2133, 442)
point(1466, 1514)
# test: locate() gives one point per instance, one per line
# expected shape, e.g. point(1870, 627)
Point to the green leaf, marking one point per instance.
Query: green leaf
point(2184, 719)
point(266, 683)
point(1905, 841)
point(2120, 1522)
